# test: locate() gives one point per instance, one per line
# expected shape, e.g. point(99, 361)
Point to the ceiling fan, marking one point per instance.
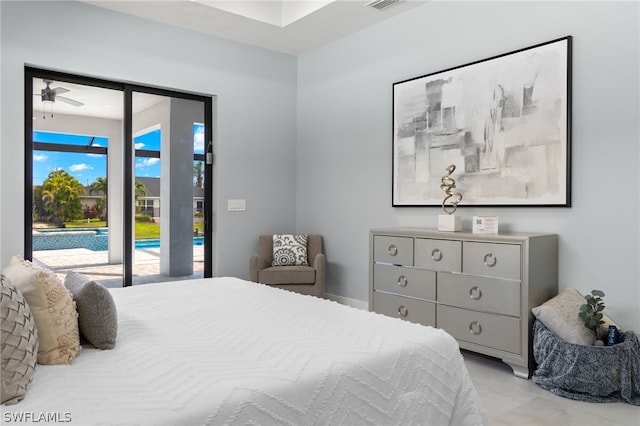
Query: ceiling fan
point(51, 95)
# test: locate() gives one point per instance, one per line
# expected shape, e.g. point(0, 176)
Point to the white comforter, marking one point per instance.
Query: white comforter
point(225, 351)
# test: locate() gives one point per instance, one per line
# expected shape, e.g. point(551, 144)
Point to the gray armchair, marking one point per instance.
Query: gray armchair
point(300, 279)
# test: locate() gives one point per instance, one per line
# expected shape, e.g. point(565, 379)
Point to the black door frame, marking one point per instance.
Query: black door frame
point(128, 89)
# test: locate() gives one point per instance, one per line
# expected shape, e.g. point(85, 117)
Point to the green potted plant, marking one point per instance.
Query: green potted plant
point(591, 313)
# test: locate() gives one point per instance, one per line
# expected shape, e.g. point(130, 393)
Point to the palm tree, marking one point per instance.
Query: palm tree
point(61, 195)
point(140, 191)
point(39, 211)
point(198, 173)
point(100, 185)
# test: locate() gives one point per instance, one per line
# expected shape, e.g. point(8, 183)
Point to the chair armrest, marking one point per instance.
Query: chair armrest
point(319, 261)
point(319, 265)
point(256, 263)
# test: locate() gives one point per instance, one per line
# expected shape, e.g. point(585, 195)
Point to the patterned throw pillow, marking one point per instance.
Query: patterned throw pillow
point(97, 314)
point(290, 250)
point(53, 309)
point(18, 341)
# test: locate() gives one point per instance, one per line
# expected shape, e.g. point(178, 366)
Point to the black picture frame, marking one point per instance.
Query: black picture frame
point(504, 122)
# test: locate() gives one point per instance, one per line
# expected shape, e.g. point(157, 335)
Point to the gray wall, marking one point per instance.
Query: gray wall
point(256, 109)
point(307, 141)
point(344, 136)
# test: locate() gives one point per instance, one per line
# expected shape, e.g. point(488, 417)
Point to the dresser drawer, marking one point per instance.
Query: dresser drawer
point(493, 260)
point(413, 310)
point(480, 293)
point(396, 250)
point(405, 281)
point(491, 330)
point(438, 255)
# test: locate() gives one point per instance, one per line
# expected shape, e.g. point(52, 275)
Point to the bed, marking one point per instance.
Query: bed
point(224, 351)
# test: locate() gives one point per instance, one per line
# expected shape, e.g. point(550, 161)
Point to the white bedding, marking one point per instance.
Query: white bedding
point(225, 351)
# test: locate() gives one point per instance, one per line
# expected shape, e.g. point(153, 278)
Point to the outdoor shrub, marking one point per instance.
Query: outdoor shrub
point(143, 218)
point(91, 212)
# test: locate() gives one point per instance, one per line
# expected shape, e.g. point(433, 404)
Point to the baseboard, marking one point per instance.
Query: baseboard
point(354, 303)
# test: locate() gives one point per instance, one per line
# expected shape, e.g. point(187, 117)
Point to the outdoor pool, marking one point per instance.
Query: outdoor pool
point(155, 243)
point(95, 239)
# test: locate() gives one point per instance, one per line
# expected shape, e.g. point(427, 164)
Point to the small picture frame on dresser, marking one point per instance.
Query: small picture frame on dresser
point(487, 225)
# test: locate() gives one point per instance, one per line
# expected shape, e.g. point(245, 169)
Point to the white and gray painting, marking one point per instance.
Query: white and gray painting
point(502, 122)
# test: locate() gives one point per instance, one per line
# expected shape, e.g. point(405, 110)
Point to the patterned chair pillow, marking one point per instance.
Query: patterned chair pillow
point(53, 309)
point(18, 342)
point(290, 250)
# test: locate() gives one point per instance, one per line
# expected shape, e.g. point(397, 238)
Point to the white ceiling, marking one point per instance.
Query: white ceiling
point(97, 101)
point(325, 22)
point(332, 21)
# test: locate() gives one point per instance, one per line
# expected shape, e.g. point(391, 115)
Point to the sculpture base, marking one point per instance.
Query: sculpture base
point(449, 222)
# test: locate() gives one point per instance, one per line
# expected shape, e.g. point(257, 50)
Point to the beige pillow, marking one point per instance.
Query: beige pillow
point(18, 342)
point(560, 315)
point(52, 307)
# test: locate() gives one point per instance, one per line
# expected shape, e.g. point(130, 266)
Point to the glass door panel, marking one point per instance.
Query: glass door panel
point(76, 133)
point(168, 188)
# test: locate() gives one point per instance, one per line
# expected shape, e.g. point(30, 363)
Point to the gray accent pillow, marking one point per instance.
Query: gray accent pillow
point(19, 343)
point(97, 314)
point(290, 250)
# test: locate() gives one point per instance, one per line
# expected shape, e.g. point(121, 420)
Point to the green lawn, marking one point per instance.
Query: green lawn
point(146, 230)
point(143, 230)
point(95, 223)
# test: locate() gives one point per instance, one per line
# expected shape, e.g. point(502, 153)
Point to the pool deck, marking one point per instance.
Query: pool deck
point(95, 264)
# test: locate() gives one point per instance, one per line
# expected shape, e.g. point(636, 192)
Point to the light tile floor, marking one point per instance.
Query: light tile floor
point(95, 264)
point(510, 400)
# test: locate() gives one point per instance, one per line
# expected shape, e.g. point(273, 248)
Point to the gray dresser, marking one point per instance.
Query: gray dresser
point(478, 288)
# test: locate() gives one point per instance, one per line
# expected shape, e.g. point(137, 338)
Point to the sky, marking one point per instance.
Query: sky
point(87, 167)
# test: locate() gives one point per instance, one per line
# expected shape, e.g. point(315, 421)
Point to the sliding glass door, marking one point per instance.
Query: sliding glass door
point(72, 159)
point(168, 188)
point(117, 185)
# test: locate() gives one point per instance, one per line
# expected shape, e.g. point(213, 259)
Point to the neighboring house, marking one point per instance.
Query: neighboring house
point(90, 198)
point(150, 203)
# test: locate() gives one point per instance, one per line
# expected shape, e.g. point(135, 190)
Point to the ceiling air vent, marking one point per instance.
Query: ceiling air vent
point(381, 4)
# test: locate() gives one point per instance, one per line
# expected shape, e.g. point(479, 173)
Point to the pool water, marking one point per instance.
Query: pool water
point(95, 239)
point(155, 243)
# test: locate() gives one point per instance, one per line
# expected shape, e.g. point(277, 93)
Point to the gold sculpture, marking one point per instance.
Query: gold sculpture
point(448, 184)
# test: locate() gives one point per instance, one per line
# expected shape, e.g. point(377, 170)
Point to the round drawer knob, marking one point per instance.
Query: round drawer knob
point(475, 293)
point(436, 255)
point(475, 328)
point(402, 281)
point(403, 311)
point(490, 260)
point(393, 250)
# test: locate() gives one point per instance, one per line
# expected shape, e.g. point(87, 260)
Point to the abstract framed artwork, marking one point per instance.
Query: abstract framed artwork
point(504, 122)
